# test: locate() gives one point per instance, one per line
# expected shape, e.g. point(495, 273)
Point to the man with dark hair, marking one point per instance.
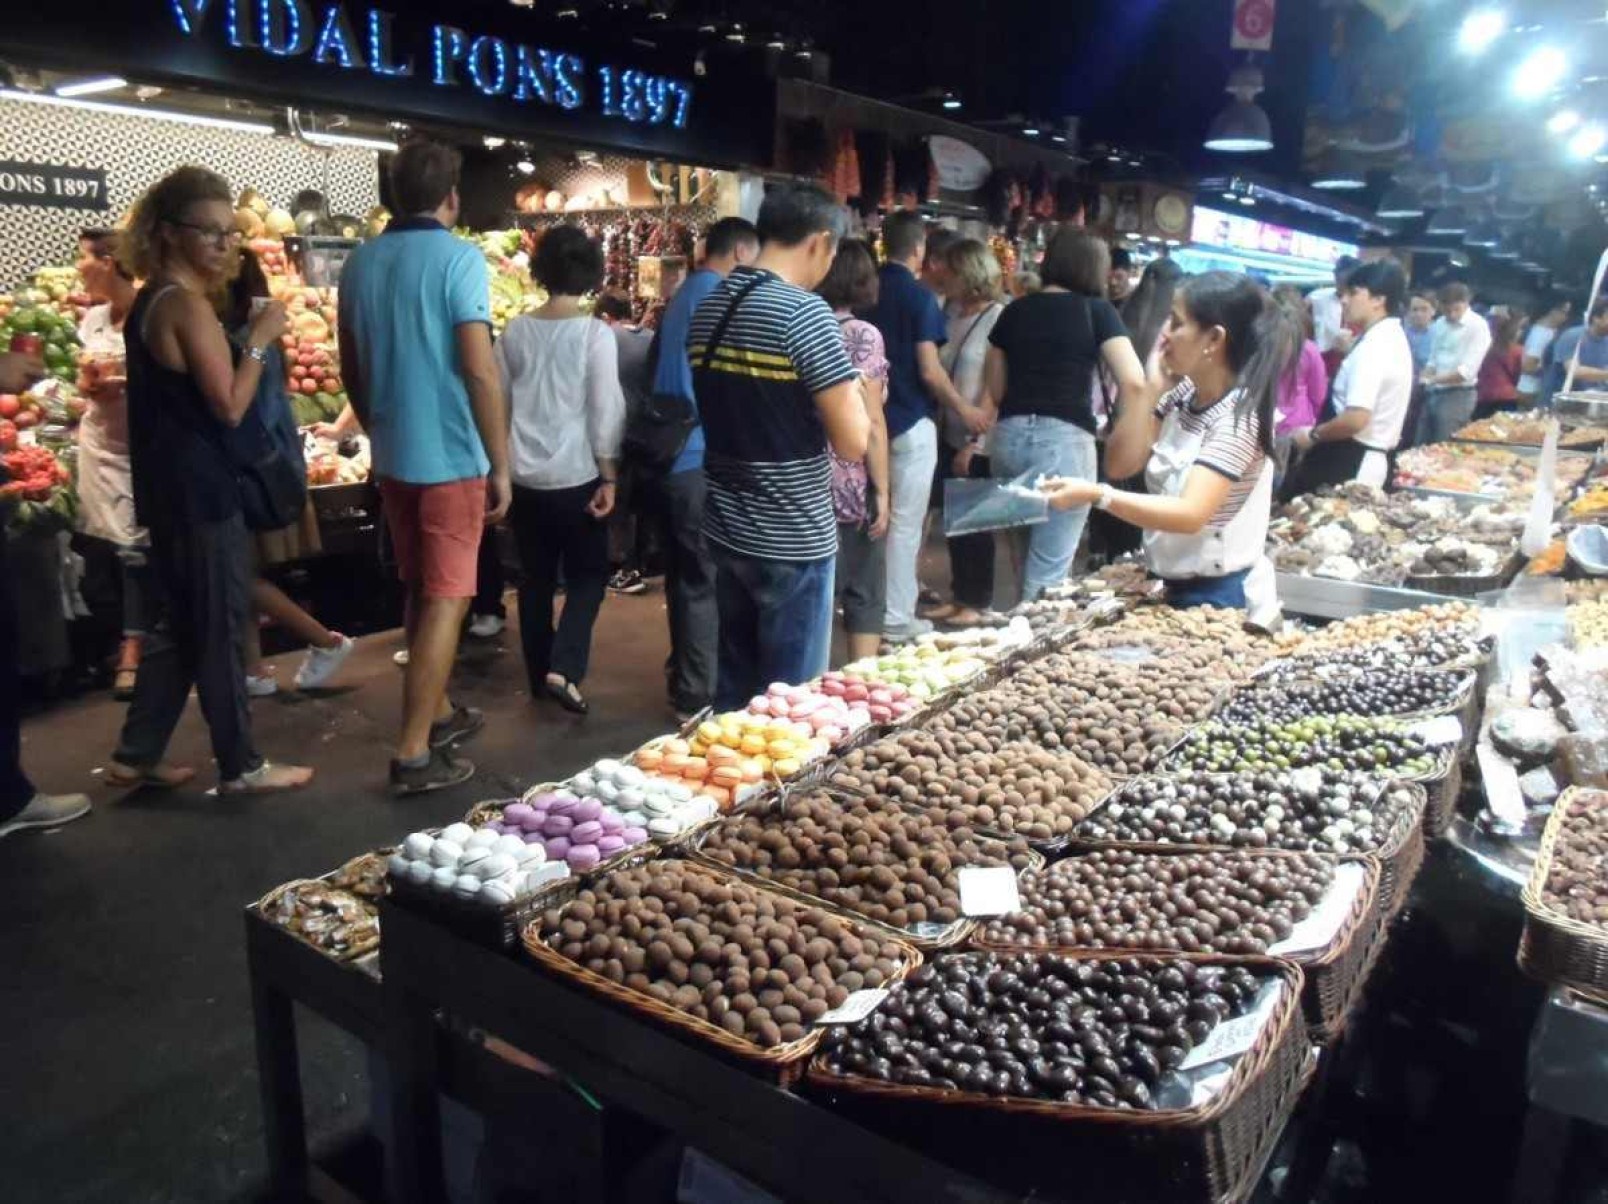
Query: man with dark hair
point(774, 386)
point(629, 543)
point(677, 499)
point(1120, 280)
point(1328, 327)
point(1460, 340)
point(935, 273)
point(1551, 315)
point(415, 337)
point(1590, 339)
point(913, 328)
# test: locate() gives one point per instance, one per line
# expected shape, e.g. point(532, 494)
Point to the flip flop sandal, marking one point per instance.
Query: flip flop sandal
point(130, 778)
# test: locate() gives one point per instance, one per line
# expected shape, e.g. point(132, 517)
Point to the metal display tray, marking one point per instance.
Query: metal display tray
point(1582, 403)
point(1329, 598)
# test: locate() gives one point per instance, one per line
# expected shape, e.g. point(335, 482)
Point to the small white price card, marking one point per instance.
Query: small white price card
point(1233, 1037)
point(1441, 730)
point(857, 1006)
point(988, 890)
point(1502, 791)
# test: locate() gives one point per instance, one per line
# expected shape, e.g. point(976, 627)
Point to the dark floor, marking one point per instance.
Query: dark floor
point(124, 1018)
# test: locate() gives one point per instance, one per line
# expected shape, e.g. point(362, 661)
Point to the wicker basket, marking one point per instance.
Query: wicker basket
point(352, 953)
point(483, 813)
point(1334, 974)
point(1211, 1152)
point(782, 1063)
point(1556, 948)
point(1441, 792)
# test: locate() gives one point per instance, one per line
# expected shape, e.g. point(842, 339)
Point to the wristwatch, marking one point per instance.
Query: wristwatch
point(258, 353)
point(1103, 501)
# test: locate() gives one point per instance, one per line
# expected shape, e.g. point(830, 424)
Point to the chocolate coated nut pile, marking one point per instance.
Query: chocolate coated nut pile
point(1017, 788)
point(761, 966)
point(1381, 693)
point(1100, 1032)
point(1339, 742)
point(1326, 812)
point(1426, 651)
point(1577, 882)
point(1452, 619)
point(871, 856)
point(1215, 901)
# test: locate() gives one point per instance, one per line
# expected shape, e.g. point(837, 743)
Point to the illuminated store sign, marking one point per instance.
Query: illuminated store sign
point(1236, 232)
point(445, 56)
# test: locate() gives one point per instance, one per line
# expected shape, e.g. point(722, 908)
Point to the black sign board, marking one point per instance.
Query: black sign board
point(489, 68)
point(52, 186)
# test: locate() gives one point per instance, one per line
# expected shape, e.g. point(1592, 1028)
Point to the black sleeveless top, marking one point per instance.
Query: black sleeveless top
point(177, 446)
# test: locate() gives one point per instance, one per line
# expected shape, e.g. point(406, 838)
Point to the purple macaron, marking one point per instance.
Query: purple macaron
point(563, 804)
point(517, 813)
point(633, 836)
point(608, 844)
point(558, 847)
point(583, 857)
point(588, 809)
point(612, 821)
point(586, 833)
point(558, 825)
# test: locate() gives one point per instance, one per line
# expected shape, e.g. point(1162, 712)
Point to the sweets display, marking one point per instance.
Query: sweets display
point(1167, 627)
point(885, 702)
point(581, 831)
point(1042, 1026)
point(1381, 692)
point(1588, 624)
point(1316, 811)
point(1405, 656)
point(476, 865)
point(864, 855)
point(759, 965)
point(731, 756)
point(1016, 787)
point(831, 717)
point(1213, 901)
point(364, 876)
point(1530, 432)
point(1465, 468)
point(1454, 620)
point(664, 807)
point(332, 920)
point(1577, 879)
point(1338, 742)
point(924, 669)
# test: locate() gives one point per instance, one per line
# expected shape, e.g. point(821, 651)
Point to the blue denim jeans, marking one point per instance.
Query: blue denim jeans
point(775, 623)
point(1227, 591)
point(1051, 447)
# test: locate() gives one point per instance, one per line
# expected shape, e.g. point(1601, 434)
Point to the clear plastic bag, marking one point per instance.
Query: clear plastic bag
point(993, 505)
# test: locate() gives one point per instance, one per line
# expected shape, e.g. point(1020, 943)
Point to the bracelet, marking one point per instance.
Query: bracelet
point(609, 480)
point(258, 354)
point(1103, 501)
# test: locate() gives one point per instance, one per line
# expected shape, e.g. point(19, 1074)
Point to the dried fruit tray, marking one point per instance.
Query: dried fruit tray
point(1557, 948)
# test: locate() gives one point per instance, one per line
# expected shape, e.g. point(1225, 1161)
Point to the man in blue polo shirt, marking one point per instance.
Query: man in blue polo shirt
point(913, 328)
point(689, 574)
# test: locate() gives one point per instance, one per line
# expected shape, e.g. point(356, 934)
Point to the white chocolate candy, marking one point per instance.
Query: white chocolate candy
point(482, 838)
point(664, 826)
point(606, 768)
point(495, 866)
point(398, 865)
point(498, 892)
point(512, 846)
point(417, 846)
point(631, 799)
point(530, 855)
point(467, 886)
point(444, 878)
point(635, 819)
point(472, 859)
point(584, 783)
point(608, 791)
point(445, 852)
point(458, 833)
point(420, 873)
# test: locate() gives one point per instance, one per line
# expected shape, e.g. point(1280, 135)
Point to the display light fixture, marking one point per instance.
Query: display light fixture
point(1563, 121)
point(492, 142)
point(1030, 131)
point(169, 115)
point(1479, 29)
point(525, 167)
point(1340, 173)
point(1448, 219)
point(1243, 126)
point(1483, 234)
point(1400, 201)
point(88, 87)
point(951, 101)
point(1541, 71)
point(1588, 140)
point(352, 140)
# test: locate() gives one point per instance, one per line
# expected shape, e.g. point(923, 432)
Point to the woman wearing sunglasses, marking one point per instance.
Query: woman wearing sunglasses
point(184, 394)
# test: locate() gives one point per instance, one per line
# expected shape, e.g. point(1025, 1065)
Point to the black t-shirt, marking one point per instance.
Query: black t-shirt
point(1052, 344)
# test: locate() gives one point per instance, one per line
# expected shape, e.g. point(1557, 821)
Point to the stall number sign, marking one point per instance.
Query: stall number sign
point(345, 38)
point(52, 186)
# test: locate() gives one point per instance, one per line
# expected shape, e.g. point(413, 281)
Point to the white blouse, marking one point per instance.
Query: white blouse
point(566, 407)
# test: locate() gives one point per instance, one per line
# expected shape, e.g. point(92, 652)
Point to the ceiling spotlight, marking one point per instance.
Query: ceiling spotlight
point(776, 42)
point(567, 14)
point(1247, 200)
point(492, 142)
point(1338, 173)
point(1447, 220)
point(1479, 29)
point(1243, 127)
point(1400, 202)
point(735, 33)
point(1057, 137)
point(951, 101)
point(1483, 234)
point(88, 87)
point(526, 167)
point(1562, 121)
point(1588, 140)
point(1030, 131)
point(1540, 72)
point(1231, 196)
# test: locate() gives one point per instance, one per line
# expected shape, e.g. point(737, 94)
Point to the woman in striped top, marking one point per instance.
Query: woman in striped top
point(1205, 444)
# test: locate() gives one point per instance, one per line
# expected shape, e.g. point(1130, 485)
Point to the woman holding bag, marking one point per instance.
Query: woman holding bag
point(185, 396)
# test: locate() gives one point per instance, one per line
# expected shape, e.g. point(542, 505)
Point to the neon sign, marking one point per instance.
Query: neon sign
point(1235, 231)
point(450, 57)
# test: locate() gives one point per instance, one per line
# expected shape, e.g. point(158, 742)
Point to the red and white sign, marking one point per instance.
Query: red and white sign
point(1253, 25)
point(961, 166)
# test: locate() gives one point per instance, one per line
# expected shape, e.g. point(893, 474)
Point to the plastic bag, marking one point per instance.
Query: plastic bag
point(1538, 525)
point(1588, 548)
point(992, 505)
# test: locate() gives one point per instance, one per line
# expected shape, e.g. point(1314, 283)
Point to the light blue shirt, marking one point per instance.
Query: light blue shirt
point(673, 376)
point(402, 297)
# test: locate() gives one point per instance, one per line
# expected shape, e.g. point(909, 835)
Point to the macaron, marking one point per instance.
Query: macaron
point(631, 799)
point(512, 846)
point(541, 799)
point(583, 783)
point(606, 768)
point(607, 791)
point(563, 804)
point(417, 845)
point(557, 825)
point(472, 860)
point(663, 826)
point(516, 813)
point(499, 892)
point(551, 871)
point(530, 855)
point(397, 865)
point(558, 847)
point(467, 886)
point(583, 857)
point(609, 843)
point(534, 839)
point(628, 776)
point(444, 878)
point(420, 873)
point(445, 852)
point(612, 821)
point(494, 866)
point(635, 819)
point(587, 809)
point(634, 835)
point(585, 833)
point(499, 827)
point(457, 833)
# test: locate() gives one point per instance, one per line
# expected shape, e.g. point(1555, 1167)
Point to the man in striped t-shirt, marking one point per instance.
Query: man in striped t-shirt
point(774, 384)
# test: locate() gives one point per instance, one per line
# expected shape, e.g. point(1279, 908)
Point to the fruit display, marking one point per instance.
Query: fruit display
point(579, 829)
point(484, 865)
point(1528, 432)
point(1093, 1031)
point(331, 920)
point(1325, 811)
point(36, 487)
point(1459, 622)
point(336, 462)
point(1342, 743)
point(1426, 691)
point(665, 807)
point(57, 332)
point(1591, 505)
point(884, 702)
point(1588, 624)
point(1120, 719)
point(863, 855)
point(1017, 787)
point(1355, 532)
point(831, 717)
point(922, 668)
point(1577, 879)
point(731, 755)
point(759, 965)
point(1213, 901)
point(1467, 468)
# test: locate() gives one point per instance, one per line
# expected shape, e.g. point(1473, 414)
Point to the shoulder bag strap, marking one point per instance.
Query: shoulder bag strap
point(725, 319)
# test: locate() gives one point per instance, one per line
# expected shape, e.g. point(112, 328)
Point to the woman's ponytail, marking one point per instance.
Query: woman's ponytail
point(1263, 341)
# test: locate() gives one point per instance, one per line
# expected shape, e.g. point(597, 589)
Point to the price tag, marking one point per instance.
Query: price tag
point(988, 890)
point(928, 929)
point(1502, 791)
point(857, 1006)
point(1233, 1037)
point(1308, 778)
point(1439, 731)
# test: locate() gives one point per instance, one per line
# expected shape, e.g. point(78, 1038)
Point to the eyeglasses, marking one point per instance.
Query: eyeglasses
point(218, 238)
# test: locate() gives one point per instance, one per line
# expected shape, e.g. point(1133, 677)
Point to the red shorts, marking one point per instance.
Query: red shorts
point(435, 532)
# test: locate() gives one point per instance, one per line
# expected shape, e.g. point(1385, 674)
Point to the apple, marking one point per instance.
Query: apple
point(10, 406)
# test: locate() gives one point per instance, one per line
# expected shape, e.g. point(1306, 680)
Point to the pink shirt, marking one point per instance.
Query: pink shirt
point(1303, 391)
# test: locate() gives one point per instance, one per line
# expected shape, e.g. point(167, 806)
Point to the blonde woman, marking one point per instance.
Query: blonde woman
point(185, 395)
point(975, 306)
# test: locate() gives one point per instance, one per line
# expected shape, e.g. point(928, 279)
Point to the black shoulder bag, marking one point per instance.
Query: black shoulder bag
point(273, 486)
point(658, 425)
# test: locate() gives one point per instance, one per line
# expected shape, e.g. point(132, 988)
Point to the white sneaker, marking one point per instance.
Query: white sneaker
point(400, 658)
point(322, 663)
point(47, 811)
point(483, 627)
point(262, 687)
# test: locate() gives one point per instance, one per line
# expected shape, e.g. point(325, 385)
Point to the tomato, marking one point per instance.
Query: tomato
point(10, 404)
point(8, 435)
point(26, 419)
